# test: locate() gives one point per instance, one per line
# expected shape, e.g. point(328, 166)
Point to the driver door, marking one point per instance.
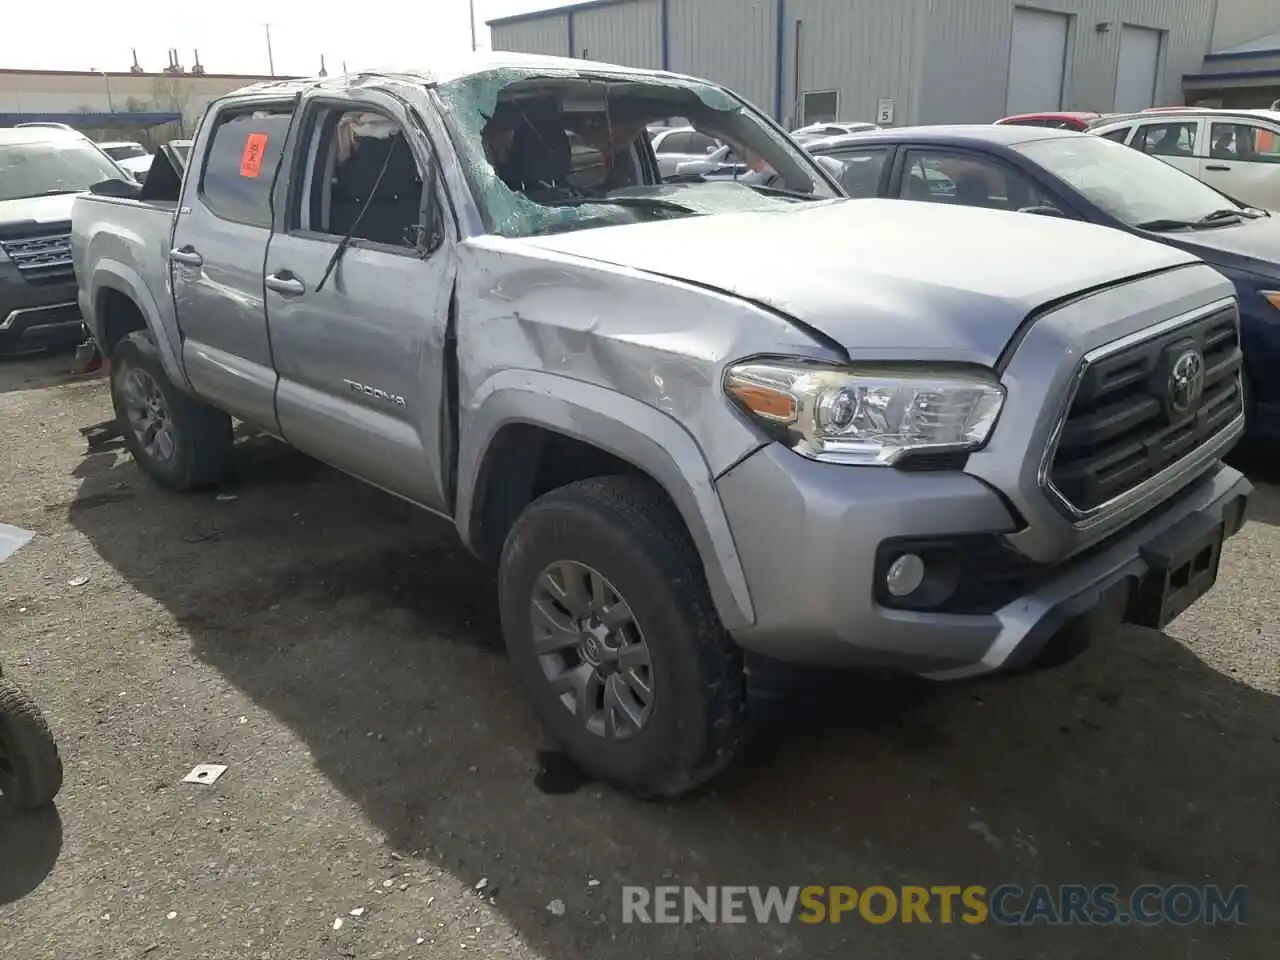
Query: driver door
point(358, 337)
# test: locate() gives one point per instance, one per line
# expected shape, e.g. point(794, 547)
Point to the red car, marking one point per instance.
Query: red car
point(1070, 120)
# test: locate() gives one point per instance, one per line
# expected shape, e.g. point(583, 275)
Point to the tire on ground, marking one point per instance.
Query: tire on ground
point(30, 768)
point(629, 531)
point(202, 435)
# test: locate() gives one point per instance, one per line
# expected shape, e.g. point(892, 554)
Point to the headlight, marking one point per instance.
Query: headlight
point(875, 414)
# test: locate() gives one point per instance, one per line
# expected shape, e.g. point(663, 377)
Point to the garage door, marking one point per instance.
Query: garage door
point(1136, 72)
point(1037, 61)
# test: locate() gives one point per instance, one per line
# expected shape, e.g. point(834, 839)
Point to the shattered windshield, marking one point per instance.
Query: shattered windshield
point(549, 152)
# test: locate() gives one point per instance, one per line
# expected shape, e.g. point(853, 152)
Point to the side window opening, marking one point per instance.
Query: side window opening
point(1244, 142)
point(1167, 139)
point(862, 170)
point(357, 157)
point(1119, 135)
point(241, 161)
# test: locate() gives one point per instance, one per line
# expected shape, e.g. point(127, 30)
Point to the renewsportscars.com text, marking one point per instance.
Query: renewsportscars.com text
point(1007, 904)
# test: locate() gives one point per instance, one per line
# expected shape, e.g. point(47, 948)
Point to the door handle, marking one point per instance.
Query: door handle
point(285, 283)
point(186, 255)
point(1216, 166)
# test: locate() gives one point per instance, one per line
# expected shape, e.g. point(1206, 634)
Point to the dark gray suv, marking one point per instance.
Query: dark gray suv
point(42, 168)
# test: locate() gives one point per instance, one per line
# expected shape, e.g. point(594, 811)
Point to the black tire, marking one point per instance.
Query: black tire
point(30, 768)
point(628, 530)
point(202, 436)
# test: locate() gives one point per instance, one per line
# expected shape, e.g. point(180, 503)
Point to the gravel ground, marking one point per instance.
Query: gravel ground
point(338, 653)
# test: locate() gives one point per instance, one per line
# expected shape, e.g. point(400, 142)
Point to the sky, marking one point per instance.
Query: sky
point(232, 38)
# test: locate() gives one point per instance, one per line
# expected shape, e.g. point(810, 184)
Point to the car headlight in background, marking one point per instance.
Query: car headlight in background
point(877, 414)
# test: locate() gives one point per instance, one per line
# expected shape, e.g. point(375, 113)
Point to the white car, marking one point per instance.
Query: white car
point(119, 150)
point(822, 131)
point(1235, 151)
point(137, 167)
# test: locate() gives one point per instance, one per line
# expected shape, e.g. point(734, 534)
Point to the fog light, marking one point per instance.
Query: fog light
point(905, 575)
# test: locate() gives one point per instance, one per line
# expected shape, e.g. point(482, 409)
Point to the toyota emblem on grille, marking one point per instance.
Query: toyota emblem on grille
point(1186, 382)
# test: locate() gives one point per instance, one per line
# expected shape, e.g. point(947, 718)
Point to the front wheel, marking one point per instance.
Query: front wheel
point(178, 441)
point(609, 624)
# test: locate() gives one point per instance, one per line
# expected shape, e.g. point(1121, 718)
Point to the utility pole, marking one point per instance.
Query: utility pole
point(271, 60)
point(106, 80)
point(472, 8)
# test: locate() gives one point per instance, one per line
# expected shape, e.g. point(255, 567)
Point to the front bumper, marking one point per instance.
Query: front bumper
point(808, 534)
point(34, 315)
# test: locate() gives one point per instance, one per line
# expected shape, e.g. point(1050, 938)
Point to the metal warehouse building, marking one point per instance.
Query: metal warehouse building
point(895, 61)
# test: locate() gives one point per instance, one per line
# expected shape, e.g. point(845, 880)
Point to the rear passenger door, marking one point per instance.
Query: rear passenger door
point(219, 240)
point(359, 341)
point(1176, 142)
point(1244, 161)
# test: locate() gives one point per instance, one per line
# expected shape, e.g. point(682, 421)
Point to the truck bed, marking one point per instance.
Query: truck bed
point(130, 238)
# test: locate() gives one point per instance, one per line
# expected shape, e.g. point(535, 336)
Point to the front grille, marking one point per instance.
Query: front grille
point(43, 256)
point(1124, 427)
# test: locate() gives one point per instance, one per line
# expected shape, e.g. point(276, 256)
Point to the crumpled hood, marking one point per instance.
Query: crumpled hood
point(37, 211)
point(884, 276)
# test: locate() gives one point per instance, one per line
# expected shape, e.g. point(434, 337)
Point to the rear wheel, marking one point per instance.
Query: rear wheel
point(178, 441)
point(30, 768)
point(610, 626)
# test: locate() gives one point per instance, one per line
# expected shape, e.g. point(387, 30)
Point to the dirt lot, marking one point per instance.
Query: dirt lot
point(338, 653)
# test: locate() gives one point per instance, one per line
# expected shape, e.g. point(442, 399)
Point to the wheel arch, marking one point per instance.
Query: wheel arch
point(116, 285)
point(504, 440)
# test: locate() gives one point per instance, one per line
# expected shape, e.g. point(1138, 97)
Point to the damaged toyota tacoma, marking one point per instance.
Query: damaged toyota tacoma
point(700, 427)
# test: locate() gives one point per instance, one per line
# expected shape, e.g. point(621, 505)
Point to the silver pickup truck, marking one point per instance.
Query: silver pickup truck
point(699, 426)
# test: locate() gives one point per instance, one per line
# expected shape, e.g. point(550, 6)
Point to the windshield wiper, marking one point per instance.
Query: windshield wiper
point(781, 192)
point(640, 203)
point(1164, 224)
point(355, 224)
point(1220, 216)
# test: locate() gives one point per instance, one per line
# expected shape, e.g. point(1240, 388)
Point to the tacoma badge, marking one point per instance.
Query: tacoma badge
point(376, 393)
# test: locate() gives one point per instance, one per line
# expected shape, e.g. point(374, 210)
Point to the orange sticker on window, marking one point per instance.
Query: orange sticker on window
point(251, 160)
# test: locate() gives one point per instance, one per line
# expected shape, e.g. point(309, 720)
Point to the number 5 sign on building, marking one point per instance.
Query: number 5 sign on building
point(255, 145)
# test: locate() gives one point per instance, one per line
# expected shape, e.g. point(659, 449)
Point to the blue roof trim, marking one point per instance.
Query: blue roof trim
point(93, 120)
point(554, 11)
point(1244, 55)
point(1272, 74)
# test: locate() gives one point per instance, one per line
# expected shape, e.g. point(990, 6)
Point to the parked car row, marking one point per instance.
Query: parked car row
point(1237, 151)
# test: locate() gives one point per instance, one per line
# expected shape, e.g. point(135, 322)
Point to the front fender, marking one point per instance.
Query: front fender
point(643, 436)
point(114, 275)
